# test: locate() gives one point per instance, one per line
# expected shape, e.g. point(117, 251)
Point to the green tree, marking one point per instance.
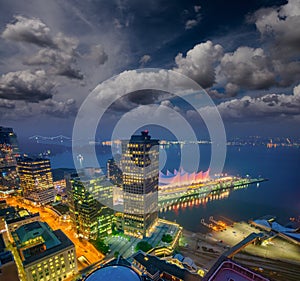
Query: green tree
point(101, 246)
point(167, 238)
point(144, 246)
point(116, 254)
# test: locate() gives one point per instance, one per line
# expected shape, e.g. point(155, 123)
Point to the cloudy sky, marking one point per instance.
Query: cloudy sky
point(245, 54)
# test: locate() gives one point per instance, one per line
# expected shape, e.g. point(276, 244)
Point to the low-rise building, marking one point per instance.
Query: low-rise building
point(3, 204)
point(12, 224)
point(155, 268)
point(269, 224)
point(6, 213)
point(8, 268)
point(45, 254)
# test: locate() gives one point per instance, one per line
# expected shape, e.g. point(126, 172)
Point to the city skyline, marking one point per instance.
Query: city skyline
point(154, 140)
point(76, 223)
point(245, 55)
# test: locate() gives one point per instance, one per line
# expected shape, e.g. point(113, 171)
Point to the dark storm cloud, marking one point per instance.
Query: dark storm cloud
point(49, 107)
point(69, 71)
point(7, 104)
point(275, 64)
point(31, 86)
point(142, 97)
point(177, 35)
point(288, 71)
point(279, 28)
point(58, 52)
point(281, 25)
point(59, 109)
point(62, 63)
point(247, 68)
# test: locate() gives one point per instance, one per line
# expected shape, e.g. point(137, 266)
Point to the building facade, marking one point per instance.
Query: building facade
point(140, 167)
point(8, 164)
point(36, 179)
point(90, 200)
point(158, 269)
point(44, 254)
point(114, 173)
point(8, 267)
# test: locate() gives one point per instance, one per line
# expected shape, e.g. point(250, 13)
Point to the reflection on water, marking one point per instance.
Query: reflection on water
point(194, 202)
point(279, 196)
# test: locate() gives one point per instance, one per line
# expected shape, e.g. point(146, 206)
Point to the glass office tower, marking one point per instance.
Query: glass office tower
point(140, 166)
point(90, 201)
point(36, 179)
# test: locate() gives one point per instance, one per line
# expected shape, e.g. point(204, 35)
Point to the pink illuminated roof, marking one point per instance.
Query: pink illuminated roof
point(181, 177)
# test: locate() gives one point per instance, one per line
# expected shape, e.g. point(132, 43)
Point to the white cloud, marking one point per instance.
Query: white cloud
point(145, 59)
point(28, 30)
point(133, 88)
point(269, 105)
point(282, 25)
point(118, 24)
point(60, 62)
point(31, 86)
point(65, 43)
point(97, 54)
point(35, 39)
point(197, 8)
point(8, 104)
point(247, 68)
point(190, 24)
point(49, 107)
point(57, 51)
point(199, 63)
point(288, 71)
point(59, 108)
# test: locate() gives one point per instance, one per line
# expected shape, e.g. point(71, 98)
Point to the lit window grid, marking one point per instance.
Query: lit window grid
point(60, 265)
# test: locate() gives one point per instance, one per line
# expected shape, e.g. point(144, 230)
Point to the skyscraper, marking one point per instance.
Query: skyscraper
point(36, 179)
point(140, 166)
point(8, 152)
point(90, 199)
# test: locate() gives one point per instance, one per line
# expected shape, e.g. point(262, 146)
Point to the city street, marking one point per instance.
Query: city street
point(83, 247)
